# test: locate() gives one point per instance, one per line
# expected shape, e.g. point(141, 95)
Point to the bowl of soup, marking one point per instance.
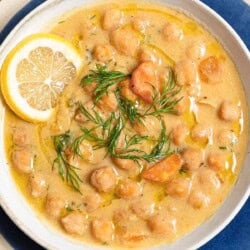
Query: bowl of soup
point(146, 142)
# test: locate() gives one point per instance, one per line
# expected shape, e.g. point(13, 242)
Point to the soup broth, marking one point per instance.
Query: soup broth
point(146, 144)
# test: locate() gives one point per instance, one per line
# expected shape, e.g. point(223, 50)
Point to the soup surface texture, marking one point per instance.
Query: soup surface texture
point(147, 142)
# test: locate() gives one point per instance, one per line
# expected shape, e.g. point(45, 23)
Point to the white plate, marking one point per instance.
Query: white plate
point(18, 209)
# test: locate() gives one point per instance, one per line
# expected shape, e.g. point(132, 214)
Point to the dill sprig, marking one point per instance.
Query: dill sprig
point(165, 102)
point(90, 134)
point(135, 140)
point(127, 107)
point(65, 169)
point(97, 119)
point(160, 150)
point(104, 80)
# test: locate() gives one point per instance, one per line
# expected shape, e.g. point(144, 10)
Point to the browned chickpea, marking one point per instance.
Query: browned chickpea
point(162, 225)
point(103, 53)
point(22, 160)
point(74, 223)
point(124, 163)
point(216, 160)
point(141, 81)
point(143, 209)
point(172, 32)
point(193, 90)
point(108, 102)
point(192, 158)
point(112, 19)
point(179, 188)
point(182, 105)
point(179, 133)
point(92, 201)
point(126, 91)
point(226, 137)
point(186, 72)
point(201, 133)
point(210, 70)
point(20, 137)
point(102, 230)
point(54, 206)
point(150, 125)
point(103, 179)
point(196, 51)
point(89, 88)
point(125, 42)
point(198, 199)
point(229, 111)
point(38, 185)
point(147, 55)
point(128, 189)
point(140, 23)
point(208, 178)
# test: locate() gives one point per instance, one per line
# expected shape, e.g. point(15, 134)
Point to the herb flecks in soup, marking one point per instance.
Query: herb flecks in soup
point(146, 144)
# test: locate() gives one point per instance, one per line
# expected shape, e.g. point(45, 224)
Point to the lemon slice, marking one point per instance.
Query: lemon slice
point(36, 72)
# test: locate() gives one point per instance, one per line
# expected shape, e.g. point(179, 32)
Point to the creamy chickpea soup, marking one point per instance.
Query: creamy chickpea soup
point(147, 142)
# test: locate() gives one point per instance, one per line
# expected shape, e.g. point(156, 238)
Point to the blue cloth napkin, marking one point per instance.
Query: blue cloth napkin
point(236, 236)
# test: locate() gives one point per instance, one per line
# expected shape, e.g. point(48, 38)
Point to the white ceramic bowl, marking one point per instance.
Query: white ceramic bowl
point(19, 210)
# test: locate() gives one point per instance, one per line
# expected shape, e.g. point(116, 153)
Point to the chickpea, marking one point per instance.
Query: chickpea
point(20, 137)
point(208, 177)
point(103, 179)
point(150, 125)
point(103, 53)
point(179, 133)
point(210, 70)
point(201, 133)
point(229, 111)
point(172, 32)
point(125, 164)
point(126, 91)
point(92, 201)
point(80, 118)
point(198, 199)
point(194, 90)
point(148, 55)
point(38, 185)
point(128, 189)
point(102, 230)
point(54, 206)
point(179, 188)
point(196, 51)
point(74, 223)
point(22, 160)
point(122, 217)
point(142, 78)
point(143, 209)
point(140, 23)
point(186, 72)
point(182, 105)
point(112, 19)
point(162, 225)
point(108, 102)
point(125, 42)
point(216, 160)
point(86, 151)
point(89, 88)
point(226, 137)
point(124, 221)
point(192, 158)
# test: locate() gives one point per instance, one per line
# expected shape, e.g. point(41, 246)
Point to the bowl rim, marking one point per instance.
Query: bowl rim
point(44, 242)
